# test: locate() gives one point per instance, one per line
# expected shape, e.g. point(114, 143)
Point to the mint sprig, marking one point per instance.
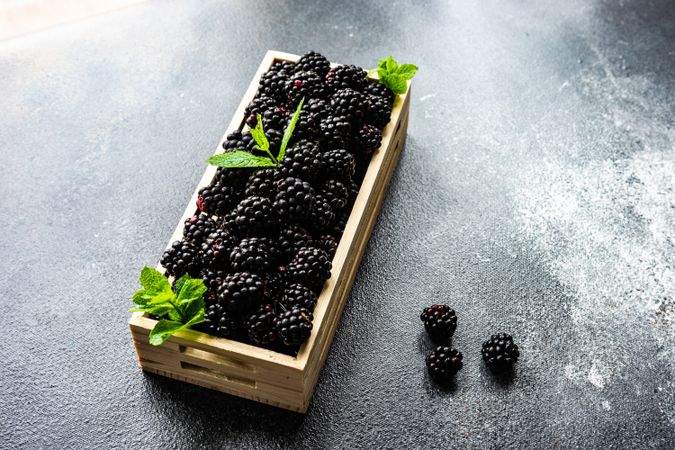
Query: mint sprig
point(242, 158)
point(184, 307)
point(393, 76)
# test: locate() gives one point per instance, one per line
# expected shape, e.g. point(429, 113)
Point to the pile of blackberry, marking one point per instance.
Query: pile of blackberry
point(264, 239)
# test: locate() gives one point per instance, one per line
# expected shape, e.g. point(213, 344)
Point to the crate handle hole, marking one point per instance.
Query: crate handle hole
point(215, 358)
point(216, 374)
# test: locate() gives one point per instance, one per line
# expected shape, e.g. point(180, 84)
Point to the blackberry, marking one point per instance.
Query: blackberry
point(334, 132)
point(295, 325)
point(317, 108)
point(369, 138)
point(304, 84)
point(216, 249)
point(349, 103)
point(443, 363)
point(327, 243)
point(212, 279)
point(500, 352)
point(261, 326)
point(241, 292)
point(198, 227)
point(291, 239)
point(239, 141)
point(342, 77)
point(234, 178)
point(294, 200)
point(181, 258)
point(297, 294)
point(262, 184)
point(339, 225)
point(275, 282)
point(336, 193)
point(376, 89)
point(253, 215)
point(440, 321)
point(252, 254)
point(301, 161)
point(274, 137)
point(378, 111)
point(307, 126)
point(220, 195)
point(353, 189)
point(338, 164)
point(311, 266)
point(258, 105)
point(218, 322)
point(322, 215)
point(313, 62)
point(273, 82)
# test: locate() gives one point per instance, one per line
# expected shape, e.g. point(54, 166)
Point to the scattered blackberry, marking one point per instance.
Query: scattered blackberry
point(311, 266)
point(443, 363)
point(313, 62)
point(380, 90)
point(338, 164)
point(261, 326)
point(241, 292)
point(322, 215)
point(328, 243)
point(212, 279)
point(198, 227)
point(369, 138)
point(349, 103)
point(216, 249)
point(304, 84)
point(262, 184)
point(301, 161)
point(254, 215)
point(342, 77)
point(378, 111)
point(295, 325)
point(295, 199)
point(273, 82)
point(334, 132)
point(297, 294)
point(440, 321)
point(218, 322)
point(291, 239)
point(181, 258)
point(336, 193)
point(239, 141)
point(251, 254)
point(500, 352)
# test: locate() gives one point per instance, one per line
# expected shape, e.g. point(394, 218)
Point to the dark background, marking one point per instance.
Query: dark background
point(535, 195)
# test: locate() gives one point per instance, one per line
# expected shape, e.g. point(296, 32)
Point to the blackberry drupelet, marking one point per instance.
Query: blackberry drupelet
point(322, 215)
point(500, 352)
point(380, 90)
point(349, 76)
point(216, 249)
point(291, 239)
point(262, 183)
point(328, 243)
point(334, 132)
point(261, 326)
point(440, 321)
point(378, 111)
point(252, 254)
point(338, 164)
point(295, 325)
point(349, 103)
point(369, 138)
point(313, 62)
point(443, 363)
point(301, 161)
point(297, 294)
point(336, 193)
point(198, 227)
point(294, 200)
point(304, 84)
point(181, 258)
point(311, 266)
point(241, 292)
point(253, 215)
point(218, 322)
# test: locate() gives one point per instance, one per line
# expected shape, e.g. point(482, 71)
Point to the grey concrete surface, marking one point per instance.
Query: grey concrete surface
point(536, 195)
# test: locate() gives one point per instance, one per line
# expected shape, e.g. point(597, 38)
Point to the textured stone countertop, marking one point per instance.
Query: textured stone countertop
point(536, 195)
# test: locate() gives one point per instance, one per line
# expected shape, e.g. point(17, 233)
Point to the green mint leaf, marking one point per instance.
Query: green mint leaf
point(396, 83)
point(141, 298)
point(258, 134)
point(191, 289)
point(178, 285)
point(240, 158)
point(391, 65)
point(382, 64)
point(289, 131)
point(157, 310)
point(154, 282)
point(163, 330)
point(407, 71)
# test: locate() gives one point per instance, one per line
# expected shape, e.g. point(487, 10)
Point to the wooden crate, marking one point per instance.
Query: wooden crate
point(256, 373)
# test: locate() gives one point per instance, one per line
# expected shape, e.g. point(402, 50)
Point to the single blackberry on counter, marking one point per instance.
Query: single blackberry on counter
point(181, 258)
point(295, 325)
point(253, 215)
point(301, 161)
point(369, 138)
point(252, 254)
point(322, 215)
point(378, 111)
point(349, 103)
point(381, 91)
point(313, 62)
point(198, 227)
point(218, 322)
point(262, 183)
point(297, 294)
point(500, 352)
point(216, 249)
point(311, 266)
point(294, 200)
point(241, 292)
point(443, 363)
point(336, 193)
point(350, 76)
point(239, 141)
point(440, 321)
point(261, 326)
point(328, 243)
point(334, 132)
point(273, 82)
point(291, 239)
point(338, 164)
point(304, 84)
